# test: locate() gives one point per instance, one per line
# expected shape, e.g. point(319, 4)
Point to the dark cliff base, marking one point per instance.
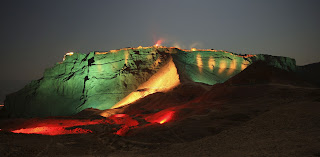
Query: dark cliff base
point(283, 120)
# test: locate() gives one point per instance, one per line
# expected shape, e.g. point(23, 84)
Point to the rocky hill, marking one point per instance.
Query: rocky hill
point(112, 79)
point(310, 73)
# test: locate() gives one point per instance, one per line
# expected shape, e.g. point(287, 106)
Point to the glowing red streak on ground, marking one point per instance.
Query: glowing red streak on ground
point(123, 124)
point(57, 127)
point(125, 121)
point(52, 131)
point(160, 117)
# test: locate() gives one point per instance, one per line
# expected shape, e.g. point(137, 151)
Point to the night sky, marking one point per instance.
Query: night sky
point(35, 34)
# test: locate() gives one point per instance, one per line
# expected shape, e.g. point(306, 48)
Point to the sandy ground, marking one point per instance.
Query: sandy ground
point(249, 120)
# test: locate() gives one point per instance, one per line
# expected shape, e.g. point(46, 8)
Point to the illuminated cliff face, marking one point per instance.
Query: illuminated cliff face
point(115, 78)
point(164, 80)
point(210, 66)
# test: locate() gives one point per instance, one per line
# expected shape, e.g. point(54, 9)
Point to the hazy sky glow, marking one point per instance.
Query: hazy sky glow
point(35, 34)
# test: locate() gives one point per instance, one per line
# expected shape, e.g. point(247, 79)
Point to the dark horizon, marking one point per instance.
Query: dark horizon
point(36, 34)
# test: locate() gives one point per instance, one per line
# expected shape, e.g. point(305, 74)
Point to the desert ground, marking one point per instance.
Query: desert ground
point(240, 120)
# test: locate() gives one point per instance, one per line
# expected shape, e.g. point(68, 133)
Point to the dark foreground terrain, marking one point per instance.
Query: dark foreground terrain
point(266, 113)
point(260, 120)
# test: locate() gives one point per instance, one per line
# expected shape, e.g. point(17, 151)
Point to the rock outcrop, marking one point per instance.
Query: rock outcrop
point(104, 80)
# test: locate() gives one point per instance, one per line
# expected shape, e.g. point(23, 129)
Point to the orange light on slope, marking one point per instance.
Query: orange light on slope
point(193, 49)
point(211, 63)
point(166, 117)
point(244, 64)
point(233, 67)
point(126, 57)
point(222, 66)
point(163, 121)
point(199, 62)
point(160, 117)
point(157, 83)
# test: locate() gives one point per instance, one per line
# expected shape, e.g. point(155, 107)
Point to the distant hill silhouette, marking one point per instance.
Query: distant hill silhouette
point(10, 86)
point(260, 72)
point(310, 72)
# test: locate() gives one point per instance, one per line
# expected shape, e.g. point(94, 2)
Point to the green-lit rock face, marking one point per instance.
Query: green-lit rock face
point(210, 67)
point(102, 79)
point(214, 66)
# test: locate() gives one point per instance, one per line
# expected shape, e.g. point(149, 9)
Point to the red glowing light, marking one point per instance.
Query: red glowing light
point(57, 127)
point(121, 123)
point(125, 121)
point(158, 43)
point(120, 115)
point(52, 131)
point(160, 117)
point(122, 131)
